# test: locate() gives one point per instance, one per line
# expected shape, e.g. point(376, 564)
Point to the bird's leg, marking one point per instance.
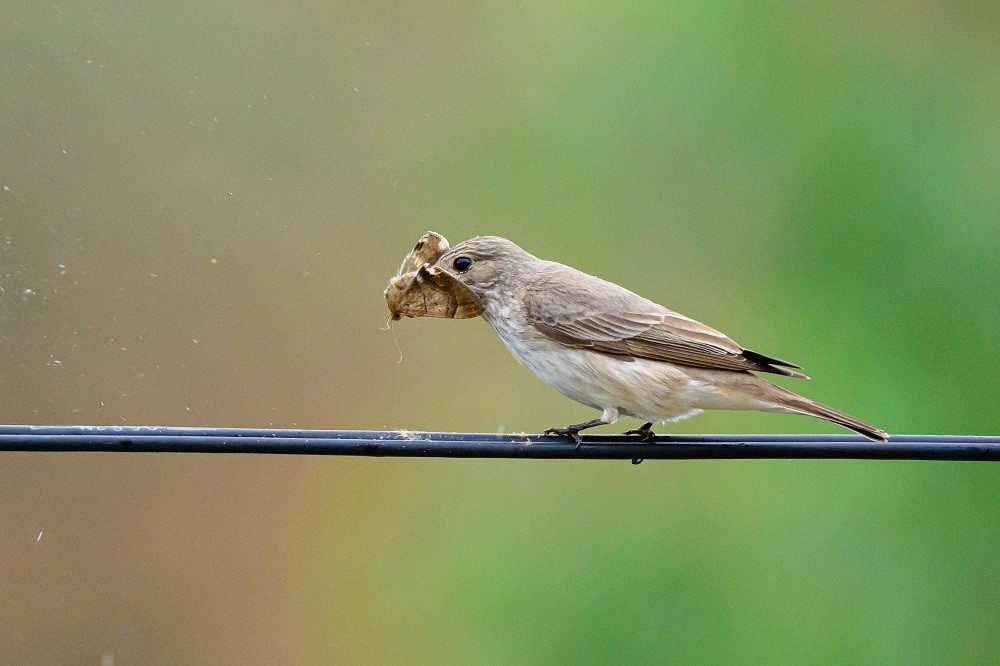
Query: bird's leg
point(646, 431)
point(610, 415)
point(573, 431)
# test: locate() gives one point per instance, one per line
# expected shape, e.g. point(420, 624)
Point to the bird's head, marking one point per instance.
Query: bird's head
point(486, 263)
point(436, 280)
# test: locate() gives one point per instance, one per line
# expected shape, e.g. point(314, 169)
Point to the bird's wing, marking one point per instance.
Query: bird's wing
point(581, 310)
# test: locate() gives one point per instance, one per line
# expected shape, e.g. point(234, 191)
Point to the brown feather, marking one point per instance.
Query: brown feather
point(581, 310)
point(802, 404)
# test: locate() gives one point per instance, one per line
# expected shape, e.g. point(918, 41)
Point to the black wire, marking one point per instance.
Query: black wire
point(472, 445)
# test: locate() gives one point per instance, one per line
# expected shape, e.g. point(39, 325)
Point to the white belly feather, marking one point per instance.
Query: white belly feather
point(649, 390)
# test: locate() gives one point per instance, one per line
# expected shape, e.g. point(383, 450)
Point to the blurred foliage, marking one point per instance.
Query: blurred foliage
point(201, 204)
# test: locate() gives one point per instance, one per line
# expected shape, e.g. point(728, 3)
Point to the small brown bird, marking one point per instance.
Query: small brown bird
point(607, 347)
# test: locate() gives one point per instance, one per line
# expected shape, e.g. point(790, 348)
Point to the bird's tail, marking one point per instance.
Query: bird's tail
point(795, 402)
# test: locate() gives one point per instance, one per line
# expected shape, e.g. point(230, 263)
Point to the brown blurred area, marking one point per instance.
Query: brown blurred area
point(201, 205)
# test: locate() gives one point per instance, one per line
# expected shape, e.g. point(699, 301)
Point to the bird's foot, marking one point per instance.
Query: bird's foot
point(645, 432)
point(566, 432)
point(573, 431)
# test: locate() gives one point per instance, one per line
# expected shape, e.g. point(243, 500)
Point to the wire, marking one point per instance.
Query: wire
point(154, 439)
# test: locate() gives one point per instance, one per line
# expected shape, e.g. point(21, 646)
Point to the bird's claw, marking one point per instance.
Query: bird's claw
point(645, 434)
point(566, 432)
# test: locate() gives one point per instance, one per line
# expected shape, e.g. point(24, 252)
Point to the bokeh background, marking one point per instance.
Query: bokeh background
point(202, 202)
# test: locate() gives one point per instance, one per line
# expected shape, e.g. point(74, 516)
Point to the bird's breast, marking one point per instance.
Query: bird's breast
point(651, 390)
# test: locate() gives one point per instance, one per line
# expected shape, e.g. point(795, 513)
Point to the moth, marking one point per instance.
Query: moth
point(421, 288)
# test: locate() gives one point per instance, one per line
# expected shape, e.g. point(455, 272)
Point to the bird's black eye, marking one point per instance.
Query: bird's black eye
point(462, 264)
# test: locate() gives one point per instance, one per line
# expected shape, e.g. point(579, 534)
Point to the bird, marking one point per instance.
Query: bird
point(611, 349)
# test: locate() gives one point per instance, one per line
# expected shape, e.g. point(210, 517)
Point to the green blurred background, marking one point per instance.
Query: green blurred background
point(202, 203)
